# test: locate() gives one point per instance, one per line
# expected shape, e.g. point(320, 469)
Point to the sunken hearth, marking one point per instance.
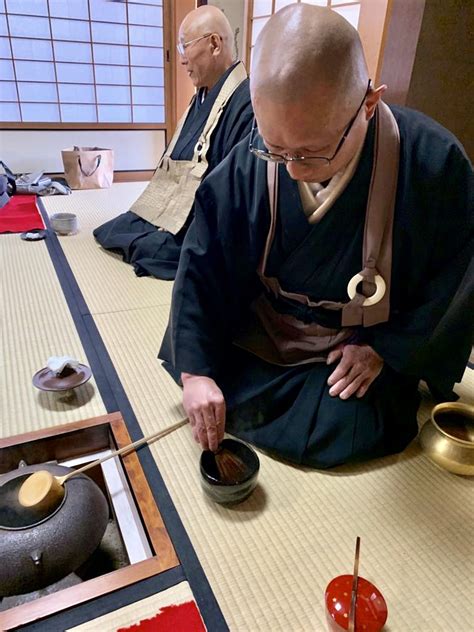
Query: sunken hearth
point(108, 557)
point(131, 540)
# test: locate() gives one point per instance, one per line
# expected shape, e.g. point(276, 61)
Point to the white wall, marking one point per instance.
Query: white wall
point(24, 150)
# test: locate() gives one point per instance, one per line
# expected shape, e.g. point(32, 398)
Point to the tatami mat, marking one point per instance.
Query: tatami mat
point(95, 206)
point(154, 395)
point(276, 552)
point(269, 560)
point(36, 324)
point(106, 282)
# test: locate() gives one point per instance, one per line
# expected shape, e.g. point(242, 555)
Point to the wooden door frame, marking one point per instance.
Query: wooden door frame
point(400, 40)
point(183, 89)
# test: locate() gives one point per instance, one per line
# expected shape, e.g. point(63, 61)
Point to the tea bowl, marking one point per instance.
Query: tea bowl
point(229, 475)
point(64, 223)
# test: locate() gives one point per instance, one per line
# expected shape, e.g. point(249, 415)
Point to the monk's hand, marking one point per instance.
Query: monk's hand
point(357, 368)
point(204, 404)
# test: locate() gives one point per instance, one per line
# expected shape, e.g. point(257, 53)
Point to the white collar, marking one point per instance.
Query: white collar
point(318, 199)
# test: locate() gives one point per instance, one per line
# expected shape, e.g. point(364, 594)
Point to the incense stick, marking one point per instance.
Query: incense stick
point(355, 581)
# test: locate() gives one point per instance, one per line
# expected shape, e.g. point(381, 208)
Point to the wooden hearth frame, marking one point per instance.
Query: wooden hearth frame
point(72, 440)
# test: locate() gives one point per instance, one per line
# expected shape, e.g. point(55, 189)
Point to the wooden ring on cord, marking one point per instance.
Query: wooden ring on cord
point(377, 296)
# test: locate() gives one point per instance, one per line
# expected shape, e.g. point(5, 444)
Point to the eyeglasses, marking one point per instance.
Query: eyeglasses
point(182, 46)
point(271, 157)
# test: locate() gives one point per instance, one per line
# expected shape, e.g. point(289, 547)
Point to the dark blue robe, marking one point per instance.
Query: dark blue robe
point(288, 410)
point(154, 252)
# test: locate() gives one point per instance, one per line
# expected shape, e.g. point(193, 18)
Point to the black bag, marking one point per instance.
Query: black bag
point(4, 197)
point(7, 185)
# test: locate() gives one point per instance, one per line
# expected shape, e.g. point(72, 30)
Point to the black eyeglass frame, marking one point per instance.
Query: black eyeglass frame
point(279, 158)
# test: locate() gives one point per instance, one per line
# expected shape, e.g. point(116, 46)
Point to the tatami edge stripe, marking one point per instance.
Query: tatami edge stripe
point(115, 398)
point(78, 308)
point(108, 603)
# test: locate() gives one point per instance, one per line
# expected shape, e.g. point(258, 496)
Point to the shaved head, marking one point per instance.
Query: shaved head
point(309, 52)
point(310, 90)
point(207, 40)
point(207, 19)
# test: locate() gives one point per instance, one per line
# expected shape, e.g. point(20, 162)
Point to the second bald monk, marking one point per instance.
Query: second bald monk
point(150, 235)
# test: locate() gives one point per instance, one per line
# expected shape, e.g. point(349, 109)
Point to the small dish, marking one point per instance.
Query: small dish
point(47, 380)
point(37, 234)
point(229, 475)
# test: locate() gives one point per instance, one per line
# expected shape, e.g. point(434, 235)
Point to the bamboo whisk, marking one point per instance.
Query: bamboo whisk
point(230, 467)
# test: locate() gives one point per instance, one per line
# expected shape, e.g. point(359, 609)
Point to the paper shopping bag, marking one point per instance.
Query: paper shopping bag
point(88, 167)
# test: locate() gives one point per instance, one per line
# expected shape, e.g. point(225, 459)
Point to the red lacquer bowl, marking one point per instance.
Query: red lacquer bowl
point(371, 609)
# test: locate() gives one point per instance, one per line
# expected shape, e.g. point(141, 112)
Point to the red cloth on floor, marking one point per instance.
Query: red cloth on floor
point(20, 214)
point(182, 618)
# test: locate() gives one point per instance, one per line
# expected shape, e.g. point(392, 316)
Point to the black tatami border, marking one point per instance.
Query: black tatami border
point(115, 399)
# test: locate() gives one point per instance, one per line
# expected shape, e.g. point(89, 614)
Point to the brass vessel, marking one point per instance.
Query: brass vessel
point(448, 437)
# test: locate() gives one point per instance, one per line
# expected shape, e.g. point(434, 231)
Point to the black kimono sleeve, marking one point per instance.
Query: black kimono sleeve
point(430, 337)
point(216, 279)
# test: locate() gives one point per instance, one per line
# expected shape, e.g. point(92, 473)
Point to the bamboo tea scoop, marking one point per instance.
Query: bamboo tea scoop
point(44, 489)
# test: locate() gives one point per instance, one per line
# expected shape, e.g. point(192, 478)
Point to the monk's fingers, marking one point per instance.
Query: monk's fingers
point(369, 378)
point(334, 355)
point(197, 423)
point(213, 424)
point(359, 378)
point(363, 388)
point(191, 411)
point(353, 387)
point(345, 380)
point(345, 370)
point(339, 372)
point(350, 360)
point(218, 404)
point(192, 423)
point(219, 414)
point(201, 430)
point(211, 428)
point(194, 427)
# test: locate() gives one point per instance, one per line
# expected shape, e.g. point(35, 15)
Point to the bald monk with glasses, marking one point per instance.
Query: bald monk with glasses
point(326, 271)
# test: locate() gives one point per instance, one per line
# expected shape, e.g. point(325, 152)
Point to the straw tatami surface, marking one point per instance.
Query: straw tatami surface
point(36, 324)
point(269, 559)
point(106, 283)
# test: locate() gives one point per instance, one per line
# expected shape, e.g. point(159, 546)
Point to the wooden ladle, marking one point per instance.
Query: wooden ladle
point(43, 489)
